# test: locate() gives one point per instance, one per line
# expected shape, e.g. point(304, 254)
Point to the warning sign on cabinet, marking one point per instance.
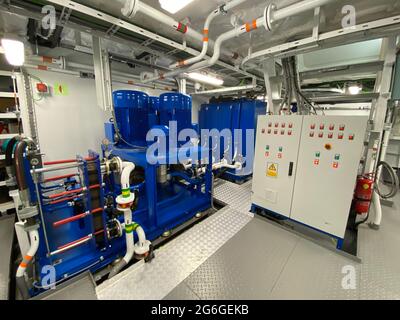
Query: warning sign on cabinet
point(272, 170)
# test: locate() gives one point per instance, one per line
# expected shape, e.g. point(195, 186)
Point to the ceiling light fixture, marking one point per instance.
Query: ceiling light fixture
point(206, 78)
point(173, 6)
point(354, 89)
point(14, 51)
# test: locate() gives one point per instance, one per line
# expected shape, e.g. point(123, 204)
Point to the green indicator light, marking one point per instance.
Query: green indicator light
point(318, 154)
point(337, 157)
point(280, 149)
point(267, 148)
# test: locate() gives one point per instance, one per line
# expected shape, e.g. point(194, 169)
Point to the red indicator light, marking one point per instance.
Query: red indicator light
point(340, 137)
point(330, 136)
point(316, 162)
point(270, 124)
point(342, 127)
point(290, 125)
point(313, 126)
point(336, 165)
point(283, 125)
point(276, 125)
point(322, 126)
point(267, 154)
point(280, 155)
point(290, 133)
point(332, 127)
point(321, 135)
point(351, 137)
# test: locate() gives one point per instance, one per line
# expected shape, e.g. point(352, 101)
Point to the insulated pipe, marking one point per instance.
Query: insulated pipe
point(273, 15)
point(20, 280)
point(217, 12)
point(227, 89)
point(376, 199)
point(246, 28)
point(132, 7)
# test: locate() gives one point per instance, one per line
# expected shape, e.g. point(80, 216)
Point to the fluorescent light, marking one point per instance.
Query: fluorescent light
point(206, 78)
point(14, 51)
point(173, 6)
point(355, 89)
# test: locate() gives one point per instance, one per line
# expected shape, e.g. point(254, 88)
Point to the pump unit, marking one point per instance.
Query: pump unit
point(306, 168)
point(240, 114)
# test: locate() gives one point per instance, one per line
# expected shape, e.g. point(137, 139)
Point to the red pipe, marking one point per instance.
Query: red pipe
point(75, 218)
point(66, 193)
point(51, 163)
point(88, 237)
point(65, 199)
point(60, 177)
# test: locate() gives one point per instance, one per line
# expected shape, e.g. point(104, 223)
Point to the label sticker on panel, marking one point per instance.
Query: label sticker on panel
point(272, 170)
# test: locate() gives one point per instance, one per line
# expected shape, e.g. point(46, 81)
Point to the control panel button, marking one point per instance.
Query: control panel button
point(283, 125)
point(332, 127)
point(340, 136)
point(342, 127)
point(330, 136)
point(321, 135)
point(351, 137)
point(280, 156)
point(291, 125)
point(318, 154)
point(270, 125)
point(322, 127)
point(336, 165)
point(290, 132)
point(280, 149)
point(269, 131)
point(313, 126)
point(282, 132)
point(316, 162)
point(337, 157)
point(263, 131)
point(312, 134)
point(277, 125)
point(267, 148)
point(275, 131)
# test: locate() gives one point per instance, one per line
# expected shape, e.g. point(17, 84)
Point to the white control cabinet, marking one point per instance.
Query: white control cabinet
point(306, 168)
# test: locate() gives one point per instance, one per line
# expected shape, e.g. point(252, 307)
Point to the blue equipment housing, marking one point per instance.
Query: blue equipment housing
point(80, 228)
point(235, 114)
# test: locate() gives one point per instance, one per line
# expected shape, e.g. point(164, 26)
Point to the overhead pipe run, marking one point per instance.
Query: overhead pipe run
point(132, 7)
point(217, 12)
point(226, 90)
point(270, 15)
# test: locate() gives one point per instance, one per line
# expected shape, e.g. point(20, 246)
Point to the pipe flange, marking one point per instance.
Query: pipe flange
point(142, 250)
point(268, 16)
point(130, 9)
point(125, 203)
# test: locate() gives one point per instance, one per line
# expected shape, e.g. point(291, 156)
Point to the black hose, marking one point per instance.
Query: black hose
point(19, 165)
point(9, 151)
point(394, 181)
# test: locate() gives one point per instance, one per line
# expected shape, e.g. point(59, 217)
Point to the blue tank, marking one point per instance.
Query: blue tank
point(176, 107)
point(131, 112)
point(154, 112)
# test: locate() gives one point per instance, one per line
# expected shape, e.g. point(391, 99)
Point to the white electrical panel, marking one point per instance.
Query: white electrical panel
point(306, 168)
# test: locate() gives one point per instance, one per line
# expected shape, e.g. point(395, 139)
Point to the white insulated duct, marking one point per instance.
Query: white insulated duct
point(132, 7)
point(217, 12)
point(270, 14)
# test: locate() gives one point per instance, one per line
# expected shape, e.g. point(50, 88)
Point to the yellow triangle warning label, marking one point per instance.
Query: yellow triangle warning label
point(272, 170)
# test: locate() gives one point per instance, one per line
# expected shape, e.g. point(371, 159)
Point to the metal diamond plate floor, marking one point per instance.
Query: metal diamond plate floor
point(235, 256)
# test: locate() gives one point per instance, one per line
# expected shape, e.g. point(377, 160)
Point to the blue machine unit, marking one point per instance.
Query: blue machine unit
point(75, 210)
point(236, 114)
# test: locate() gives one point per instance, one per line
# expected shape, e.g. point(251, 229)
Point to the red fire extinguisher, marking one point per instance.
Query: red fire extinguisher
point(364, 193)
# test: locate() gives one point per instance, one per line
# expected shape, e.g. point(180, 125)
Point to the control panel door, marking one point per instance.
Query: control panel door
point(276, 154)
point(329, 157)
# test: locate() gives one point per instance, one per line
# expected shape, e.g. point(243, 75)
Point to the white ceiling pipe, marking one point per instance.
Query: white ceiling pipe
point(274, 15)
point(217, 12)
point(246, 28)
point(224, 90)
point(265, 21)
point(132, 7)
